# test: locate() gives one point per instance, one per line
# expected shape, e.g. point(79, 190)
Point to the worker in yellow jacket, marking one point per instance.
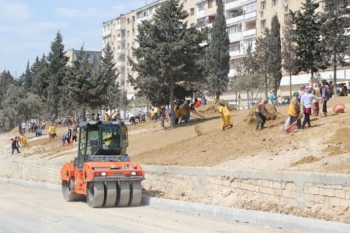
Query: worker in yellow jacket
point(23, 140)
point(226, 119)
point(52, 131)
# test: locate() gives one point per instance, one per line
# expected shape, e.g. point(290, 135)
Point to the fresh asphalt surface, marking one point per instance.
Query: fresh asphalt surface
point(27, 209)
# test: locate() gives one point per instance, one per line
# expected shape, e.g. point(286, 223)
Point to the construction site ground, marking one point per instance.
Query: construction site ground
point(324, 148)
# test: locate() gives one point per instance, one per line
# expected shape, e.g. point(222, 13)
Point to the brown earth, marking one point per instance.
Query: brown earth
point(324, 148)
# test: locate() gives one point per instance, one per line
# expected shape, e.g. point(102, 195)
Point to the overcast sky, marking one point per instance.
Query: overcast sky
point(27, 27)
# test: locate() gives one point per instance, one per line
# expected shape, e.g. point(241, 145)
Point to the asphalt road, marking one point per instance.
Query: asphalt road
point(26, 209)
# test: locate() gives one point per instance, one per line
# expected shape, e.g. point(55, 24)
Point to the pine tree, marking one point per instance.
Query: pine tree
point(307, 35)
point(56, 65)
point(27, 79)
point(168, 53)
point(40, 81)
point(79, 83)
point(218, 54)
point(334, 41)
point(106, 88)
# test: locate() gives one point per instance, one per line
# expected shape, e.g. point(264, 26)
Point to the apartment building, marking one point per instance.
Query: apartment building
point(94, 57)
point(245, 20)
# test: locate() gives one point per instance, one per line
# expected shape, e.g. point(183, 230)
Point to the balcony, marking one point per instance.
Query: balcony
point(121, 76)
point(240, 18)
point(201, 14)
point(236, 3)
point(120, 38)
point(121, 51)
point(106, 33)
point(237, 53)
point(248, 33)
point(120, 64)
point(120, 27)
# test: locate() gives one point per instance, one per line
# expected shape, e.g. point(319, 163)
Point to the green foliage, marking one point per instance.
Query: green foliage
point(276, 50)
point(19, 105)
point(334, 43)
point(307, 36)
point(106, 89)
point(27, 79)
point(57, 62)
point(168, 53)
point(6, 79)
point(218, 55)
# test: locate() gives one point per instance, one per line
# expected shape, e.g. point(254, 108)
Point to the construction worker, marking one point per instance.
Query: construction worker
point(52, 131)
point(23, 140)
point(226, 119)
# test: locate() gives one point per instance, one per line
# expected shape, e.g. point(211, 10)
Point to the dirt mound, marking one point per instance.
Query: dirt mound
point(213, 107)
point(305, 160)
point(250, 118)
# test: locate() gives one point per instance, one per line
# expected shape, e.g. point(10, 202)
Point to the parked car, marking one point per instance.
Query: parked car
point(284, 101)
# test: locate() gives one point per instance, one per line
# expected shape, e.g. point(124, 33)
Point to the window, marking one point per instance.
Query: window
point(274, 2)
point(234, 29)
point(249, 43)
point(263, 24)
point(201, 6)
point(192, 11)
point(127, 34)
point(210, 3)
point(128, 20)
point(144, 14)
point(234, 46)
point(250, 7)
point(263, 5)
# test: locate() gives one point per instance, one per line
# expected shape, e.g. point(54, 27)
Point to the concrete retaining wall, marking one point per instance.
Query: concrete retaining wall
point(323, 196)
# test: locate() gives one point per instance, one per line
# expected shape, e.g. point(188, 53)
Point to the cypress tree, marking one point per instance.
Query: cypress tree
point(27, 79)
point(276, 59)
point(218, 54)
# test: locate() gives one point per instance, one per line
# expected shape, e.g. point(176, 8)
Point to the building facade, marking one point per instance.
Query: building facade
point(93, 56)
point(245, 20)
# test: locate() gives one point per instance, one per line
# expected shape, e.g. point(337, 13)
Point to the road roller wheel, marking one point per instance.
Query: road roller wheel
point(123, 193)
point(67, 192)
point(95, 194)
point(111, 194)
point(136, 193)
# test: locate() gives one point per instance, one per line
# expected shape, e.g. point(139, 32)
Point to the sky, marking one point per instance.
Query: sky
point(28, 27)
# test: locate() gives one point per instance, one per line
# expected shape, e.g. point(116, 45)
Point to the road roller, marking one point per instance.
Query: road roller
point(102, 173)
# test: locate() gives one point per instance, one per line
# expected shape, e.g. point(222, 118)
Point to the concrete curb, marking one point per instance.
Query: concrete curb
point(222, 213)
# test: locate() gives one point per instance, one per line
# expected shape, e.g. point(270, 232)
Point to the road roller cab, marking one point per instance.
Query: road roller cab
point(102, 172)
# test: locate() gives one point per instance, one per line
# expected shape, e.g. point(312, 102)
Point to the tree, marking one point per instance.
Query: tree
point(40, 81)
point(218, 54)
point(79, 82)
point(334, 40)
point(106, 88)
point(307, 35)
point(57, 62)
point(289, 53)
point(168, 53)
point(27, 79)
point(6, 79)
point(263, 57)
point(275, 49)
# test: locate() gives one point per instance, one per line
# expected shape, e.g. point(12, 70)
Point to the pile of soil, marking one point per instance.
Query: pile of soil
point(213, 107)
point(273, 113)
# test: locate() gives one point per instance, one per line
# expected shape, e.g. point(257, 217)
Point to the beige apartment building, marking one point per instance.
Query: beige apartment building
point(245, 20)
